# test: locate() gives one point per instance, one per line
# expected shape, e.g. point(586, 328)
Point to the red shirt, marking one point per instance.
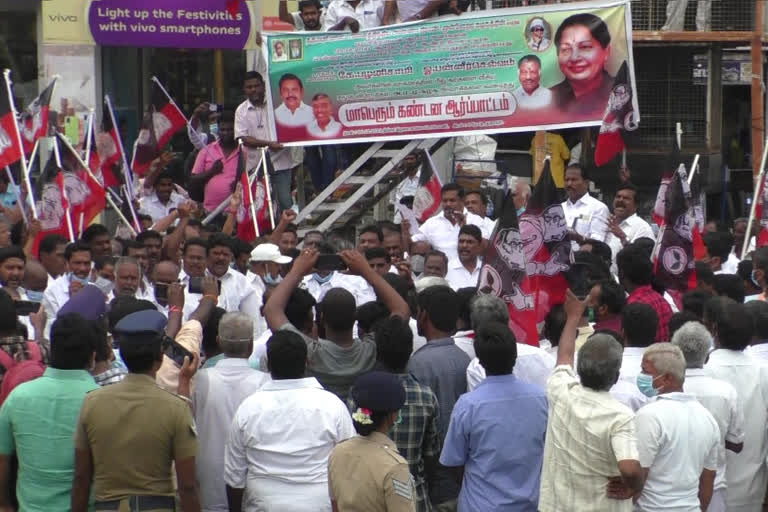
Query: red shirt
point(648, 295)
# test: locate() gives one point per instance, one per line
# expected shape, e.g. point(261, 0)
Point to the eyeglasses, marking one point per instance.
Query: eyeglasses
point(537, 29)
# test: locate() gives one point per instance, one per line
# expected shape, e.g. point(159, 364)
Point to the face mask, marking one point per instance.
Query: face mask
point(591, 312)
point(271, 281)
point(73, 277)
point(520, 211)
point(322, 280)
point(213, 128)
point(417, 263)
point(754, 279)
point(34, 296)
point(645, 385)
point(103, 284)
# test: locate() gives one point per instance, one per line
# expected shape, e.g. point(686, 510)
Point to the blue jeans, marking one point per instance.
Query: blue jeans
point(322, 162)
point(281, 186)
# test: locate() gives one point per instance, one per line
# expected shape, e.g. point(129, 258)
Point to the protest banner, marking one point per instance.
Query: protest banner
point(504, 70)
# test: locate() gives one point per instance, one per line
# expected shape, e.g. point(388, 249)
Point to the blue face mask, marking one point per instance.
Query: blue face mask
point(73, 277)
point(213, 128)
point(34, 296)
point(755, 281)
point(645, 385)
point(271, 281)
point(520, 211)
point(322, 280)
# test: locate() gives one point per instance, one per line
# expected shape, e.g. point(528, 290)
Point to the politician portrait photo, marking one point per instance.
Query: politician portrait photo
point(324, 126)
point(295, 50)
point(538, 35)
point(292, 112)
point(279, 53)
point(531, 95)
point(583, 45)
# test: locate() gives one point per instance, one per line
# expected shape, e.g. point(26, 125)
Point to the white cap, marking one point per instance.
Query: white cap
point(538, 22)
point(269, 252)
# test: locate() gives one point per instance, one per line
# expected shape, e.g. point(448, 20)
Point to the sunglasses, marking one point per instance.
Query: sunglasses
point(537, 29)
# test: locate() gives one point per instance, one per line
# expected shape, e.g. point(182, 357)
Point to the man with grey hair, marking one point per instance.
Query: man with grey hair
point(717, 396)
point(127, 277)
point(590, 439)
point(218, 393)
point(677, 437)
point(533, 364)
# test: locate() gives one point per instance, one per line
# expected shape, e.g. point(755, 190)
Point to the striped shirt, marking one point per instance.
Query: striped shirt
point(587, 434)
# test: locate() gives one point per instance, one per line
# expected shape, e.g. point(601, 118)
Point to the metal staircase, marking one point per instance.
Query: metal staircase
point(352, 207)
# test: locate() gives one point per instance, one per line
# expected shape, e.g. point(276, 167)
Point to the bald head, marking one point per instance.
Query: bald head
point(35, 276)
point(165, 272)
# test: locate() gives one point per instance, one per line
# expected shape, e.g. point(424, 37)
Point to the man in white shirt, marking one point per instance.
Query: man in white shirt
point(411, 166)
point(534, 364)
point(163, 199)
point(353, 15)
point(442, 230)
point(530, 95)
point(252, 127)
point(717, 396)
point(591, 443)
point(279, 55)
point(758, 348)
point(476, 202)
point(78, 256)
point(309, 18)
point(746, 475)
point(677, 438)
point(218, 393)
point(323, 125)
point(264, 269)
point(719, 245)
point(282, 435)
point(625, 226)
point(586, 216)
point(639, 324)
point(464, 271)
point(237, 293)
point(411, 10)
point(293, 112)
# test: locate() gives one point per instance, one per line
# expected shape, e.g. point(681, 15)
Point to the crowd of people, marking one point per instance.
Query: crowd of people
point(185, 368)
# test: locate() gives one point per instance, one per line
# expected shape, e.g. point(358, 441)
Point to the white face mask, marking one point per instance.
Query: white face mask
point(103, 284)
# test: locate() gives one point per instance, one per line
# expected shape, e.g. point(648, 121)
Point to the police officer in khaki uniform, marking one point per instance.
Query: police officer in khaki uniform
point(129, 434)
point(366, 472)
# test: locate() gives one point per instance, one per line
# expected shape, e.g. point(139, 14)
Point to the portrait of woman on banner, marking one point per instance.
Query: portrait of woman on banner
point(583, 45)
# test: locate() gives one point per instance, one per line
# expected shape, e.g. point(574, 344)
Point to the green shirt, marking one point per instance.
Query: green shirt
point(37, 422)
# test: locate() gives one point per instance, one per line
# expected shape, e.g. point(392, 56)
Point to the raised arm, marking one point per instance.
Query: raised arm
point(358, 265)
point(574, 309)
point(274, 309)
point(287, 217)
point(283, 13)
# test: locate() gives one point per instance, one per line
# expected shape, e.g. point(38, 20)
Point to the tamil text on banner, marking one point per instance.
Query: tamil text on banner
point(501, 70)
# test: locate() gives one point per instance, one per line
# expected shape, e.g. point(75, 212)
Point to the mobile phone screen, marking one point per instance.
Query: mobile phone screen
point(175, 352)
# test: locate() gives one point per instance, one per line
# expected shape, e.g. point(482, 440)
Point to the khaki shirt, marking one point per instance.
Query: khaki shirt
point(134, 431)
point(367, 473)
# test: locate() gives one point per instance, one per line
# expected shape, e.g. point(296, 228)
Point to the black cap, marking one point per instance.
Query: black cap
point(379, 391)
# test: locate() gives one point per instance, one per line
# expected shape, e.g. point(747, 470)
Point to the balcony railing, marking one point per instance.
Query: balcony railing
point(683, 15)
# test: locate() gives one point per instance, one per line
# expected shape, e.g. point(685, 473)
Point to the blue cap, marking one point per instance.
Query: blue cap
point(379, 391)
point(89, 302)
point(141, 322)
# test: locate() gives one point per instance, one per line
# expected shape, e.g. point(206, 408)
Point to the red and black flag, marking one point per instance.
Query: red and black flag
point(51, 207)
point(504, 274)
point(428, 197)
point(254, 193)
point(674, 260)
point(10, 150)
point(669, 172)
point(34, 119)
point(108, 147)
point(85, 195)
point(547, 247)
point(162, 121)
point(619, 119)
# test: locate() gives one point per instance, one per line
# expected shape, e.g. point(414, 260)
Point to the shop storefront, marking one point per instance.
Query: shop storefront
point(195, 47)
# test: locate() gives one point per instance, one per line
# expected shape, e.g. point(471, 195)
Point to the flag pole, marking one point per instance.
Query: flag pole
point(250, 190)
point(81, 222)
point(189, 123)
point(90, 173)
point(89, 134)
point(755, 198)
point(216, 211)
point(694, 168)
point(17, 195)
point(7, 76)
point(67, 211)
point(128, 172)
point(265, 168)
point(28, 183)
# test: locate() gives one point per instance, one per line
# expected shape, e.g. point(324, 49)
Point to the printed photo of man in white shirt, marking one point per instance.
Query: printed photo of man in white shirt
point(293, 111)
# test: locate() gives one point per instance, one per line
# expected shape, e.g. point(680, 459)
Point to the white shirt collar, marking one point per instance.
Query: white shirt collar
point(284, 384)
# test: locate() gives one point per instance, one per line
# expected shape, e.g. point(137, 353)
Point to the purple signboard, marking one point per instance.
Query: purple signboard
point(169, 23)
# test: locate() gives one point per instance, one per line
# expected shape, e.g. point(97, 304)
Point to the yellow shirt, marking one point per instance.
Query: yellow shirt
point(553, 145)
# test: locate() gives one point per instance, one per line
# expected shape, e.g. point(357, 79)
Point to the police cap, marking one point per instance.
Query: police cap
point(141, 326)
point(379, 391)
